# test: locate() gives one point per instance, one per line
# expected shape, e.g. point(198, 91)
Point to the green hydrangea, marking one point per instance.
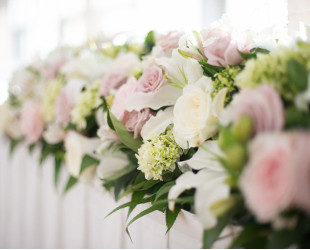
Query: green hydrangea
point(87, 102)
point(226, 79)
point(272, 69)
point(158, 155)
point(51, 92)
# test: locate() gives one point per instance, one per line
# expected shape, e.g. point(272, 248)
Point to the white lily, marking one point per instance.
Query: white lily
point(157, 124)
point(209, 182)
point(164, 96)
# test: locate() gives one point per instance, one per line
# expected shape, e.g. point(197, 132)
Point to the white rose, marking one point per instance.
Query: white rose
point(76, 147)
point(196, 113)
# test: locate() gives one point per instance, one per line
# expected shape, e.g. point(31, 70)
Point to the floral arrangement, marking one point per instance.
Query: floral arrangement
point(214, 122)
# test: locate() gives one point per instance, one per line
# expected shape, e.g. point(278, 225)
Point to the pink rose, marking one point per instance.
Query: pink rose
point(220, 47)
point(32, 122)
point(169, 41)
point(267, 181)
point(62, 108)
point(151, 80)
point(118, 108)
point(263, 105)
point(117, 75)
point(134, 121)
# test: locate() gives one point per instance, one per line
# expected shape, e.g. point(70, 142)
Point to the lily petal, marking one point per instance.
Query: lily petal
point(206, 195)
point(206, 157)
point(165, 96)
point(157, 124)
point(218, 102)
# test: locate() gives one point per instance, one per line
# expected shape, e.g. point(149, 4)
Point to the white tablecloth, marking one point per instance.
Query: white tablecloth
point(34, 215)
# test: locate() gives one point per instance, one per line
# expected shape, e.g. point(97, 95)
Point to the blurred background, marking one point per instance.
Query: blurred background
point(32, 28)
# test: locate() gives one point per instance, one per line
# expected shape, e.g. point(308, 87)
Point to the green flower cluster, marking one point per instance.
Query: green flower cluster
point(51, 92)
point(158, 155)
point(272, 69)
point(226, 79)
point(87, 102)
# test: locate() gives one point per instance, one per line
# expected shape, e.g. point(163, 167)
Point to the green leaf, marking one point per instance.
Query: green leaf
point(125, 136)
point(130, 203)
point(13, 144)
point(57, 161)
point(70, 183)
point(298, 74)
point(210, 70)
point(154, 207)
point(138, 195)
point(31, 147)
point(164, 189)
point(296, 119)
point(253, 53)
point(252, 235)
point(87, 162)
point(171, 217)
point(121, 184)
point(149, 41)
point(45, 151)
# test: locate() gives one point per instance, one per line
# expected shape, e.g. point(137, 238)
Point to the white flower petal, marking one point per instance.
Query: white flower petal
point(205, 157)
point(206, 195)
point(165, 96)
point(157, 124)
point(193, 71)
point(111, 163)
point(218, 102)
point(190, 180)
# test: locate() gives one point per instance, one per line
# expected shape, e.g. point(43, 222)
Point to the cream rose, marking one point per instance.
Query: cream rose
point(195, 114)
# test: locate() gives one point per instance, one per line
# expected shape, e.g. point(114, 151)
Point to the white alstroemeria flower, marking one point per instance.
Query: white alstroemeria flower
point(77, 146)
point(302, 100)
point(196, 114)
point(54, 134)
point(110, 163)
point(209, 182)
point(157, 124)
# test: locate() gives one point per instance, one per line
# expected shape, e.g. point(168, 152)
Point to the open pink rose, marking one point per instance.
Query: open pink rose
point(268, 179)
point(263, 105)
point(134, 121)
point(151, 79)
point(221, 46)
point(32, 122)
point(169, 41)
point(118, 108)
